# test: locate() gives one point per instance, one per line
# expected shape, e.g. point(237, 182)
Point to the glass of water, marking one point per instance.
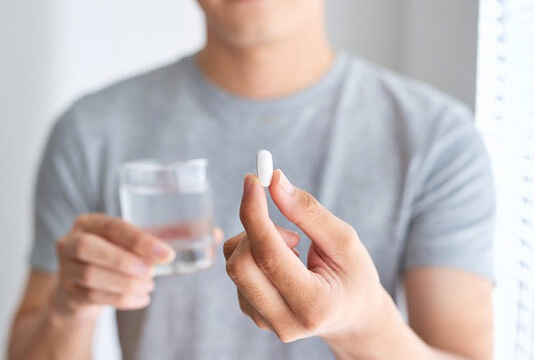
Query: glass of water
point(171, 200)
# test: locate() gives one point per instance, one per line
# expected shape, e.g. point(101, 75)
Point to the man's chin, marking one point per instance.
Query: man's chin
point(253, 36)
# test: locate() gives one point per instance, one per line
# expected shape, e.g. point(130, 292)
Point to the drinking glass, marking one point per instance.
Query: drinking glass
point(172, 201)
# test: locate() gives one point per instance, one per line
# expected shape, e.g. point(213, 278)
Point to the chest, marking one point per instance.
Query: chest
point(325, 156)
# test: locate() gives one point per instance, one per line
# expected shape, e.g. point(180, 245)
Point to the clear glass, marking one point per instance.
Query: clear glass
point(171, 200)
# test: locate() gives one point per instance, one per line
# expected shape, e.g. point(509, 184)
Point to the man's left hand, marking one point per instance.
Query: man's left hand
point(337, 295)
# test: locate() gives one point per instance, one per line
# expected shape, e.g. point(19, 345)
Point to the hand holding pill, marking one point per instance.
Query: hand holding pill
point(332, 296)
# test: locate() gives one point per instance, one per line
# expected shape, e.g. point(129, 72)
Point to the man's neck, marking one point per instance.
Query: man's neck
point(268, 71)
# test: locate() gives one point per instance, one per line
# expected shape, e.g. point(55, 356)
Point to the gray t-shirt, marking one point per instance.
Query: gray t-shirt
point(396, 159)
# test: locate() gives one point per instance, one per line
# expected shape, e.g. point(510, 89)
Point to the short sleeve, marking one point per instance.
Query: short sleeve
point(452, 223)
point(62, 191)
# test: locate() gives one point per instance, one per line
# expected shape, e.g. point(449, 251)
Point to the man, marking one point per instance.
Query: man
point(403, 188)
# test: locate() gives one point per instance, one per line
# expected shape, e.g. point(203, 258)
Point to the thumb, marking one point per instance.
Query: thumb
point(327, 232)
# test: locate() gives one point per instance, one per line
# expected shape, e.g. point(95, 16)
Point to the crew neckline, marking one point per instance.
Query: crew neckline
point(218, 96)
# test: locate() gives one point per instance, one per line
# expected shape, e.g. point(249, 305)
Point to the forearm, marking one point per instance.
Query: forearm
point(48, 335)
point(392, 339)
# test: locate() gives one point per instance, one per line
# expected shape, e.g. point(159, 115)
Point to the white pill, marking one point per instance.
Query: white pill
point(264, 166)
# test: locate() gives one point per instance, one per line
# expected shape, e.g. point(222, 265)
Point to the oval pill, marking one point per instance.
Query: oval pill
point(264, 167)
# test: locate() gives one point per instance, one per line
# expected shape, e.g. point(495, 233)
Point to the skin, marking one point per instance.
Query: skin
point(249, 43)
point(104, 261)
point(354, 315)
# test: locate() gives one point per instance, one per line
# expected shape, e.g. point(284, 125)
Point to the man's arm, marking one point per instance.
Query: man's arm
point(39, 333)
point(338, 297)
point(451, 309)
point(450, 312)
point(102, 261)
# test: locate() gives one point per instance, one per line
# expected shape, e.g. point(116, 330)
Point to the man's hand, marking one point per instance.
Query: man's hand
point(337, 295)
point(106, 261)
point(102, 261)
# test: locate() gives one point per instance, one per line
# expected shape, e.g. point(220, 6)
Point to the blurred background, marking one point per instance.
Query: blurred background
point(51, 52)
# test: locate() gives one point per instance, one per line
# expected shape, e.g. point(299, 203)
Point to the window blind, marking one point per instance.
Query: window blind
point(505, 117)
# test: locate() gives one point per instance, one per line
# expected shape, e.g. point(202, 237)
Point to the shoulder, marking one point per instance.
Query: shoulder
point(417, 114)
point(126, 99)
point(412, 100)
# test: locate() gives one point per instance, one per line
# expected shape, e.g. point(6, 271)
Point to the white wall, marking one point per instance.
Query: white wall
point(440, 44)
point(53, 51)
point(50, 53)
point(432, 40)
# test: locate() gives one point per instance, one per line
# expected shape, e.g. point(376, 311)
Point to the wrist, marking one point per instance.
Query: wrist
point(385, 336)
point(379, 317)
point(61, 312)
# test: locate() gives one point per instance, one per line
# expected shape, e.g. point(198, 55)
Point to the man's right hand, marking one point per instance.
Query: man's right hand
point(105, 261)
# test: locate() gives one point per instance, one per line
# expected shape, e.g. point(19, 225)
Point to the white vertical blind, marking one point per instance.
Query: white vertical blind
point(505, 116)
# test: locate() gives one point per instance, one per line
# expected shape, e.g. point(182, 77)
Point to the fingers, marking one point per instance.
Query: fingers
point(249, 310)
point(127, 236)
point(84, 296)
point(95, 250)
point(231, 244)
point(329, 233)
point(98, 278)
point(257, 290)
point(94, 271)
point(268, 247)
point(291, 238)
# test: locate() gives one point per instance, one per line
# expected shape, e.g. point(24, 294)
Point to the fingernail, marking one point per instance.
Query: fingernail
point(285, 184)
point(248, 183)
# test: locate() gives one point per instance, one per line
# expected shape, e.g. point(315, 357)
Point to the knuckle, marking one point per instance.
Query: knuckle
point(79, 247)
point(60, 246)
point(284, 335)
point(227, 251)
point(244, 307)
point(312, 206)
point(81, 221)
point(315, 211)
point(349, 235)
point(311, 323)
point(350, 232)
point(262, 325)
point(235, 270)
point(309, 208)
point(246, 216)
point(243, 216)
point(228, 247)
point(260, 322)
point(111, 226)
point(267, 261)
